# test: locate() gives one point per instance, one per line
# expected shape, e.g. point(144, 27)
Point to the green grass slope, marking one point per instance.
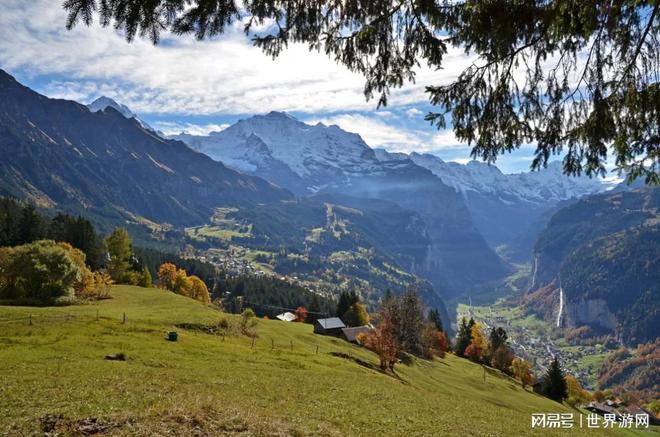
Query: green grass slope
point(53, 376)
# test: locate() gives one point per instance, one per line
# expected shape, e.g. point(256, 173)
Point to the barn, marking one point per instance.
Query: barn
point(329, 326)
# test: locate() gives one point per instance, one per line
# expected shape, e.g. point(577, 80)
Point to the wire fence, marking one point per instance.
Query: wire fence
point(253, 341)
point(36, 317)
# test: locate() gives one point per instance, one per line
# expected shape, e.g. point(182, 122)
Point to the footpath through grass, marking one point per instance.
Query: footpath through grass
point(54, 378)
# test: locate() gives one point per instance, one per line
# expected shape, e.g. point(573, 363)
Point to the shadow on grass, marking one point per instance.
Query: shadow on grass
point(369, 366)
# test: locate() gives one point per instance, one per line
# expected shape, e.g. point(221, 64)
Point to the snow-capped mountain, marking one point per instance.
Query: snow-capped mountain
point(104, 102)
point(298, 156)
point(549, 185)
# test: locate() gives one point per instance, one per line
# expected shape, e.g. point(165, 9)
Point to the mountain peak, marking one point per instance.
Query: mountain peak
point(278, 115)
point(103, 102)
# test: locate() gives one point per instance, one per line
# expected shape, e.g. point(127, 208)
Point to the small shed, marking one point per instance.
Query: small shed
point(351, 334)
point(286, 317)
point(329, 326)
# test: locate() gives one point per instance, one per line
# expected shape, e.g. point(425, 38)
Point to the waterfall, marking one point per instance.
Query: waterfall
point(561, 306)
point(536, 265)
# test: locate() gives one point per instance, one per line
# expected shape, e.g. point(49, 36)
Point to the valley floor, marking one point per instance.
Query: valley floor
point(54, 378)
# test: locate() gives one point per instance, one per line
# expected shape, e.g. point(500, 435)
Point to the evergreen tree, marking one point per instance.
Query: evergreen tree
point(346, 300)
point(463, 336)
point(31, 226)
point(411, 323)
point(554, 383)
point(146, 280)
point(79, 233)
point(434, 318)
point(498, 337)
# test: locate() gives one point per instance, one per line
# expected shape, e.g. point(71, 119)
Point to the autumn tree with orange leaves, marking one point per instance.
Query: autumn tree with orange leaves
point(301, 314)
point(383, 342)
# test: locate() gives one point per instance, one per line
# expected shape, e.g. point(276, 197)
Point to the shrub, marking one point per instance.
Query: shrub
point(248, 322)
point(42, 271)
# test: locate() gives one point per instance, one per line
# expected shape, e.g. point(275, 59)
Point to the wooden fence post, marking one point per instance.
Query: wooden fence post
point(272, 343)
point(252, 343)
point(317, 349)
point(30, 319)
point(124, 320)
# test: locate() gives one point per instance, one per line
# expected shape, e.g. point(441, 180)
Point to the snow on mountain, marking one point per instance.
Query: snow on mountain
point(305, 158)
point(104, 102)
point(305, 149)
point(549, 185)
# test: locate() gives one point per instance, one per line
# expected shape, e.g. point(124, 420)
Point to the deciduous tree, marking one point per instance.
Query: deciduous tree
point(166, 276)
point(301, 314)
point(356, 315)
point(198, 290)
point(478, 344)
point(522, 371)
point(383, 342)
point(120, 252)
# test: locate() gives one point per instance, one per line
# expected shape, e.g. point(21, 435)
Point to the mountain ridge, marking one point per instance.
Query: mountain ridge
point(58, 152)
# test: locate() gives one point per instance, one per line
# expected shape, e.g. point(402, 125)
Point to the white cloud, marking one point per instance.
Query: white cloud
point(182, 75)
point(175, 128)
point(413, 112)
point(374, 130)
point(461, 160)
point(379, 133)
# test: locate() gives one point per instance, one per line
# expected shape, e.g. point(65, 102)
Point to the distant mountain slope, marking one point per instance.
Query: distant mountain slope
point(510, 210)
point(603, 255)
point(58, 152)
point(310, 159)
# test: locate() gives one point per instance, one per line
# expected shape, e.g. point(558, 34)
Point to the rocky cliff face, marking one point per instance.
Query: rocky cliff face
point(592, 312)
point(605, 252)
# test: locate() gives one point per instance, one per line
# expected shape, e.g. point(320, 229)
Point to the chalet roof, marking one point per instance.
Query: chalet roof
point(598, 407)
point(351, 333)
point(331, 323)
point(286, 317)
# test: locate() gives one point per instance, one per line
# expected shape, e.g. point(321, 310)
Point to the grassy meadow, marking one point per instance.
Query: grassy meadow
point(54, 378)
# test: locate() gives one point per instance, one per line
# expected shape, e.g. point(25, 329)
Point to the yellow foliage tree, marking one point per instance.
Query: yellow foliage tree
point(182, 283)
point(199, 291)
point(576, 394)
point(478, 345)
point(166, 276)
point(522, 371)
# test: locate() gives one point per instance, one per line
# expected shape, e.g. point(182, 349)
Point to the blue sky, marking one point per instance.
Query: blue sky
point(186, 85)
